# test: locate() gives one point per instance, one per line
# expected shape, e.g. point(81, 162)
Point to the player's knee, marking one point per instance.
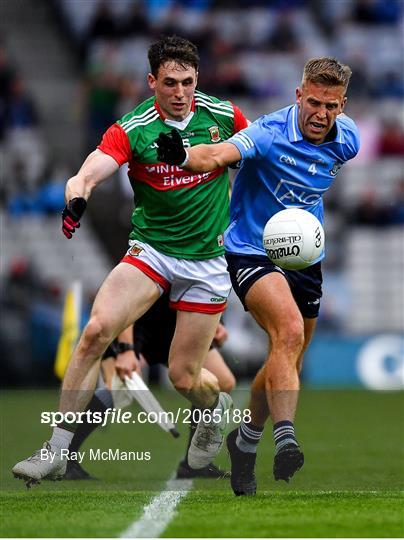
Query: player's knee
point(227, 383)
point(290, 337)
point(96, 334)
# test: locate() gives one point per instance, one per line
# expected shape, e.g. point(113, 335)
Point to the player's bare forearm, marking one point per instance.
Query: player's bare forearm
point(126, 360)
point(96, 168)
point(126, 335)
point(207, 157)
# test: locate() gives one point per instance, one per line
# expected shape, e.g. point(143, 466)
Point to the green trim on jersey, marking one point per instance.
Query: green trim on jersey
point(179, 213)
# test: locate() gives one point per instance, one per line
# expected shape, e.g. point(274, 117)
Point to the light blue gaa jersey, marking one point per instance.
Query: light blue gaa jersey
point(282, 170)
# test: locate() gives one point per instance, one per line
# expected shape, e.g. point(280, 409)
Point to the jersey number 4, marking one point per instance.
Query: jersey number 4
point(312, 169)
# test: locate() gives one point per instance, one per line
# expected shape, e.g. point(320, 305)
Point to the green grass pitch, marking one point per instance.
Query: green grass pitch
point(351, 484)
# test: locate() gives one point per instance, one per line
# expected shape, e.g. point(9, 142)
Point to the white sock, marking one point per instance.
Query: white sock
point(61, 438)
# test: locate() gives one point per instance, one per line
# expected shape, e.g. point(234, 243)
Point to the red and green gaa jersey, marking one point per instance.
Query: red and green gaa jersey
point(180, 213)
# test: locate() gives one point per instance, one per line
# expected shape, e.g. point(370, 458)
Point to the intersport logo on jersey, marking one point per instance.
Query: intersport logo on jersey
point(294, 193)
point(166, 177)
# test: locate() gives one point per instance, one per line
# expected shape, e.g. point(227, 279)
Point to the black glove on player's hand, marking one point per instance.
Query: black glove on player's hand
point(170, 148)
point(72, 214)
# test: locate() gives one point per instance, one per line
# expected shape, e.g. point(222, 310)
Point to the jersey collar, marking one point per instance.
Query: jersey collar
point(174, 123)
point(180, 125)
point(294, 133)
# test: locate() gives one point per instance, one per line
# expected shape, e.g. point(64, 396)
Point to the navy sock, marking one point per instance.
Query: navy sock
point(248, 437)
point(284, 433)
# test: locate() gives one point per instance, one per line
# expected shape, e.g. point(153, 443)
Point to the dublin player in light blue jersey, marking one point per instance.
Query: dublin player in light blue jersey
point(290, 159)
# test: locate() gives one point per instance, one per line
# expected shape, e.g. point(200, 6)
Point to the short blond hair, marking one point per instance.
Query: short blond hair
point(328, 71)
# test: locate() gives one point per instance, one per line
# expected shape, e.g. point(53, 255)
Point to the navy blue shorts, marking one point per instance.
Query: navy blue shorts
point(305, 284)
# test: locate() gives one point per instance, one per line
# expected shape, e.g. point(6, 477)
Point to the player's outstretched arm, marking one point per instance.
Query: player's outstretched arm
point(97, 167)
point(207, 157)
point(200, 158)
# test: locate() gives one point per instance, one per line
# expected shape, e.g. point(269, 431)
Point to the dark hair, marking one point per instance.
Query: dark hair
point(328, 71)
point(174, 49)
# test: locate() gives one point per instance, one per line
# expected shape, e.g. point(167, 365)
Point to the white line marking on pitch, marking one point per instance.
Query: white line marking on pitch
point(158, 513)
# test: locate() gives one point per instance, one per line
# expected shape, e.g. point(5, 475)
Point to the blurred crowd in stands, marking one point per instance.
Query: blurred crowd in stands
point(21, 144)
point(30, 325)
point(30, 181)
point(251, 51)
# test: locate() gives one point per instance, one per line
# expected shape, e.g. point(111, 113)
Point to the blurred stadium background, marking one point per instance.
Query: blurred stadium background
point(70, 68)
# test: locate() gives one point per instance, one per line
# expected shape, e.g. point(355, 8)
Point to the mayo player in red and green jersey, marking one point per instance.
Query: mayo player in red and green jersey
point(179, 214)
point(176, 245)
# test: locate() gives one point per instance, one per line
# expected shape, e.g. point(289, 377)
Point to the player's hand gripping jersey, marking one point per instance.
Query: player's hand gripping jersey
point(281, 170)
point(179, 213)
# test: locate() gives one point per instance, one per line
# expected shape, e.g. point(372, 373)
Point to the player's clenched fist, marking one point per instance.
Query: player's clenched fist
point(72, 214)
point(170, 148)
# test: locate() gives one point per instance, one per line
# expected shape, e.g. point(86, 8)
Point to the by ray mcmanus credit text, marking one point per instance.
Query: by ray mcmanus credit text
point(96, 454)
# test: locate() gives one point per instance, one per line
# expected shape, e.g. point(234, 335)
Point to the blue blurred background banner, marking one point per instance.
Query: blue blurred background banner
point(374, 362)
